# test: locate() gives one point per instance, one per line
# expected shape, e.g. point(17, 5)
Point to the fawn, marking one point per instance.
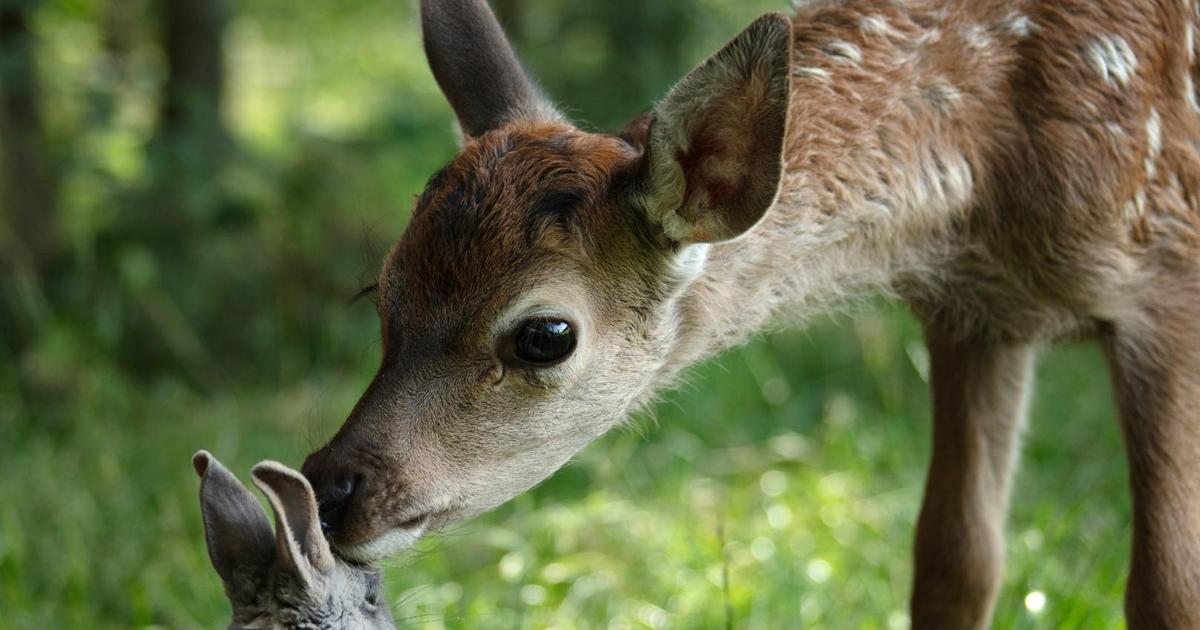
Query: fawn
point(1017, 171)
point(285, 579)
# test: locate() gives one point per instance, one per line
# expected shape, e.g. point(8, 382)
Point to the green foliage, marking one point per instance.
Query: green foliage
point(197, 299)
point(794, 465)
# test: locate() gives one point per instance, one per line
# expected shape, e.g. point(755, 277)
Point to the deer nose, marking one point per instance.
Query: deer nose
point(333, 498)
point(335, 487)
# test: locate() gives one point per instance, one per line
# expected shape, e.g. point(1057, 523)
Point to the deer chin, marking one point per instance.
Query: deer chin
point(389, 543)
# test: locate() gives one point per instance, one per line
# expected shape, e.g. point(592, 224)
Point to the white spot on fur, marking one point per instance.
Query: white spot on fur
point(1018, 24)
point(929, 37)
point(1189, 39)
point(977, 37)
point(1189, 92)
point(1153, 143)
point(843, 51)
point(816, 73)
point(1112, 58)
point(1115, 130)
point(875, 25)
point(957, 178)
point(944, 178)
point(1135, 209)
point(1154, 132)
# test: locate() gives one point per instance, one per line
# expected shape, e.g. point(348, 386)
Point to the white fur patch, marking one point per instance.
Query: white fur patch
point(929, 37)
point(1112, 58)
point(1153, 142)
point(816, 73)
point(957, 181)
point(1018, 24)
point(1136, 207)
point(977, 37)
point(944, 179)
point(875, 25)
point(1189, 92)
point(1189, 42)
point(843, 51)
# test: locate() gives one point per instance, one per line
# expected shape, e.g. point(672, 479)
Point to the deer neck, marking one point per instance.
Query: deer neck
point(894, 111)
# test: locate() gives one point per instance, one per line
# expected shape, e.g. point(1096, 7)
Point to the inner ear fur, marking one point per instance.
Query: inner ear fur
point(300, 544)
point(716, 139)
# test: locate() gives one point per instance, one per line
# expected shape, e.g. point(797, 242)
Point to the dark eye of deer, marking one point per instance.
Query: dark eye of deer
point(544, 341)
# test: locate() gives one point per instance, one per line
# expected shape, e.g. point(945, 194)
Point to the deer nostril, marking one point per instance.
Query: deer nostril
point(333, 499)
point(342, 488)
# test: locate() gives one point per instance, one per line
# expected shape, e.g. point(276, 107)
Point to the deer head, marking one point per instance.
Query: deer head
point(288, 579)
point(534, 299)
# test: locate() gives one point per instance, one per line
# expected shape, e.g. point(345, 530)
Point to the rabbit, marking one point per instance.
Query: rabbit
point(289, 579)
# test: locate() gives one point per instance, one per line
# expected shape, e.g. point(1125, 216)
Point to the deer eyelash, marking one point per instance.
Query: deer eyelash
point(369, 290)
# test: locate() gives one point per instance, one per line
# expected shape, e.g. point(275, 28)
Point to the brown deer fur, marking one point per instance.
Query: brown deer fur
point(1019, 172)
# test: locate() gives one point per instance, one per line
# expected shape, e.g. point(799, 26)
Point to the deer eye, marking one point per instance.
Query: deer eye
point(544, 341)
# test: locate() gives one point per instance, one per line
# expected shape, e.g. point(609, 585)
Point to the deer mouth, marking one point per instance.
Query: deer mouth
point(391, 541)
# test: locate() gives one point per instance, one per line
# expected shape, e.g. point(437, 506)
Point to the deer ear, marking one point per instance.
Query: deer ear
point(236, 529)
point(301, 547)
point(476, 67)
point(716, 139)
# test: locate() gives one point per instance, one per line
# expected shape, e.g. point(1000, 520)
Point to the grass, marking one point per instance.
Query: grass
point(780, 484)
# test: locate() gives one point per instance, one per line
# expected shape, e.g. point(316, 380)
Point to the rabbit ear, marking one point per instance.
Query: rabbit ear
point(236, 529)
point(300, 543)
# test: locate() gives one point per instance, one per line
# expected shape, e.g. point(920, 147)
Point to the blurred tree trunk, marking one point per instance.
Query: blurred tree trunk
point(186, 200)
point(29, 243)
point(29, 185)
point(191, 140)
point(192, 37)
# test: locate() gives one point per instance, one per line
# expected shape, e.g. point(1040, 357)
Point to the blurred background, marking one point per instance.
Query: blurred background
point(192, 190)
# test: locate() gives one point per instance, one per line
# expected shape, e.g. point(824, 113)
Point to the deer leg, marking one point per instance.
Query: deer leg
point(1156, 375)
point(980, 394)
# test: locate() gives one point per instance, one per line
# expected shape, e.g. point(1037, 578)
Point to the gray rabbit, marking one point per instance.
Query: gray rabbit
point(289, 578)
